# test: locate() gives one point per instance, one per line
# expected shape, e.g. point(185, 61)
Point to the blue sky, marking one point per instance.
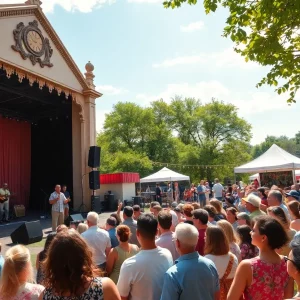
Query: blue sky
point(143, 52)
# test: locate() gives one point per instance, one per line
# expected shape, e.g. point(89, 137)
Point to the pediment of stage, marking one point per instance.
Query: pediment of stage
point(44, 54)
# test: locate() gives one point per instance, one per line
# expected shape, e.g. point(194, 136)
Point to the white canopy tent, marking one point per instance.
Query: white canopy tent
point(274, 159)
point(165, 174)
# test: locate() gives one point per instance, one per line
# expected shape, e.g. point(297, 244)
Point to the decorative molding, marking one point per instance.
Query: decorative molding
point(42, 82)
point(17, 12)
point(30, 43)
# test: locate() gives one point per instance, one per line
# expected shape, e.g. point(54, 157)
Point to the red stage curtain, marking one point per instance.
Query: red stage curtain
point(15, 159)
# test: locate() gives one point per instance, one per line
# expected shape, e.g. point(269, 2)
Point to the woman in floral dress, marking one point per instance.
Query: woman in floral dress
point(264, 277)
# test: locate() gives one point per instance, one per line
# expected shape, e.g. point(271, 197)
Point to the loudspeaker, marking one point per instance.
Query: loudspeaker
point(27, 233)
point(94, 157)
point(96, 204)
point(76, 218)
point(94, 180)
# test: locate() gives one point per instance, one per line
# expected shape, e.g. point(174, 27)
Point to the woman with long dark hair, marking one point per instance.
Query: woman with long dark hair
point(70, 272)
point(265, 276)
point(294, 210)
point(247, 249)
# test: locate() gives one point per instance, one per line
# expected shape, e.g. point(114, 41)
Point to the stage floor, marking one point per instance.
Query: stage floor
point(7, 229)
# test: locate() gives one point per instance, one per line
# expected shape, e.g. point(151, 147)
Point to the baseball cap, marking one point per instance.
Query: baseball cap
point(293, 194)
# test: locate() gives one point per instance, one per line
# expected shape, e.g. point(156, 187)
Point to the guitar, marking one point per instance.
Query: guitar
point(3, 199)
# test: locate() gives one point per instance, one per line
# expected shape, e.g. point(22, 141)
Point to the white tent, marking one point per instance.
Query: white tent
point(274, 159)
point(165, 174)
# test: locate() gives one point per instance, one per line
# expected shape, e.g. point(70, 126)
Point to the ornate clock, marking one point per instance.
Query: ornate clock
point(30, 43)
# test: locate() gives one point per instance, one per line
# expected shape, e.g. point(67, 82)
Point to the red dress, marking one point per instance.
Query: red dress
point(268, 280)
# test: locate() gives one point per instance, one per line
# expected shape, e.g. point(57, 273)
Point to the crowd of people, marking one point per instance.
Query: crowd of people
point(239, 244)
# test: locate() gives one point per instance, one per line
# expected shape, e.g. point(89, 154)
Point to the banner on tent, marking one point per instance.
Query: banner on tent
point(281, 179)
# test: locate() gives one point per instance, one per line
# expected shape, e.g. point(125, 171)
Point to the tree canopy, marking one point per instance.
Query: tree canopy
point(266, 32)
point(184, 132)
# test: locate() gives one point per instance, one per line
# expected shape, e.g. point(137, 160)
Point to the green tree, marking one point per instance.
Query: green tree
point(268, 31)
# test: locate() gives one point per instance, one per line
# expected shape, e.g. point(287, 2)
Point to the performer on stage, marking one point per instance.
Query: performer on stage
point(68, 197)
point(57, 200)
point(4, 203)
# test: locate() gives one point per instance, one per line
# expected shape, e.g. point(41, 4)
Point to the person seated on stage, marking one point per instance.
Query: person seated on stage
point(4, 203)
point(66, 203)
point(98, 239)
point(136, 212)
point(71, 272)
point(1, 260)
point(61, 228)
point(110, 227)
point(41, 257)
point(16, 276)
point(82, 227)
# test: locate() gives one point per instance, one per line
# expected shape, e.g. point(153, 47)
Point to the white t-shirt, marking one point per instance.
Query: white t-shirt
point(174, 218)
point(218, 190)
point(98, 239)
point(142, 276)
point(221, 263)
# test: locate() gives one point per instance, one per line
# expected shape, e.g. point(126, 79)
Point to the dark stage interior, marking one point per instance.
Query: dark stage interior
point(50, 118)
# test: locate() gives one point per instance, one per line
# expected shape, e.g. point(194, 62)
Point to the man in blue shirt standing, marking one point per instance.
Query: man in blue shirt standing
point(192, 276)
point(110, 226)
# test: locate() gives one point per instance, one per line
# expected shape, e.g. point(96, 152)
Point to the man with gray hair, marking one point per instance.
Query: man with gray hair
point(192, 276)
point(98, 239)
point(275, 198)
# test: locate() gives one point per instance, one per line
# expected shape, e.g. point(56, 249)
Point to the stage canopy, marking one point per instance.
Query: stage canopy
point(165, 174)
point(274, 159)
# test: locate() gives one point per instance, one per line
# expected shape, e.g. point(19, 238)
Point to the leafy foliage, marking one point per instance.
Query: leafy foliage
point(269, 33)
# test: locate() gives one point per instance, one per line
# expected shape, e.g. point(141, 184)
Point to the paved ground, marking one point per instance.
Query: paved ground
point(7, 229)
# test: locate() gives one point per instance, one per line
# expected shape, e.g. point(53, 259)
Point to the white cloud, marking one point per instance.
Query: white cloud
point(227, 58)
point(192, 27)
point(110, 90)
point(100, 118)
point(84, 6)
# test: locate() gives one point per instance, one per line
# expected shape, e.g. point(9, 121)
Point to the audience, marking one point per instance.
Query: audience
point(141, 276)
point(232, 238)
point(17, 275)
point(110, 227)
point(232, 217)
point(243, 219)
point(71, 272)
point(41, 257)
point(156, 209)
point(252, 203)
point(278, 213)
point(200, 219)
point(166, 238)
point(136, 212)
point(120, 253)
point(294, 208)
point(98, 239)
point(117, 216)
point(212, 212)
point(247, 249)
point(265, 276)
point(292, 196)
point(61, 227)
point(187, 213)
point(82, 227)
point(275, 198)
point(221, 214)
point(132, 224)
point(192, 276)
point(293, 263)
point(217, 250)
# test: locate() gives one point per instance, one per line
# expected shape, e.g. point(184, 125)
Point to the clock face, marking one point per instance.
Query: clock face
point(34, 41)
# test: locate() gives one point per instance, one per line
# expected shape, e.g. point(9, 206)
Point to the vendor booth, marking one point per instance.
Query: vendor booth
point(275, 167)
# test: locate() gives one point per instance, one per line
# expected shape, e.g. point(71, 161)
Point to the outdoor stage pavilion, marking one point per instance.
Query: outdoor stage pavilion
point(47, 110)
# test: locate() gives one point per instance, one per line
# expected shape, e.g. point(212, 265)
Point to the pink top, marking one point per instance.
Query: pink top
point(268, 280)
point(28, 291)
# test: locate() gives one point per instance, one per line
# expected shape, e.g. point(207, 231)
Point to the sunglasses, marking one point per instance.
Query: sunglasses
point(286, 259)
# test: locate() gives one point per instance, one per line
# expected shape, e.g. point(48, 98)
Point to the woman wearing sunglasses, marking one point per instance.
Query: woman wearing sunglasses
point(293, 263)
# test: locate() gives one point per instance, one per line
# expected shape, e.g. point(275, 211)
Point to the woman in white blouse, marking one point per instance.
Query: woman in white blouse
point(217, 250)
